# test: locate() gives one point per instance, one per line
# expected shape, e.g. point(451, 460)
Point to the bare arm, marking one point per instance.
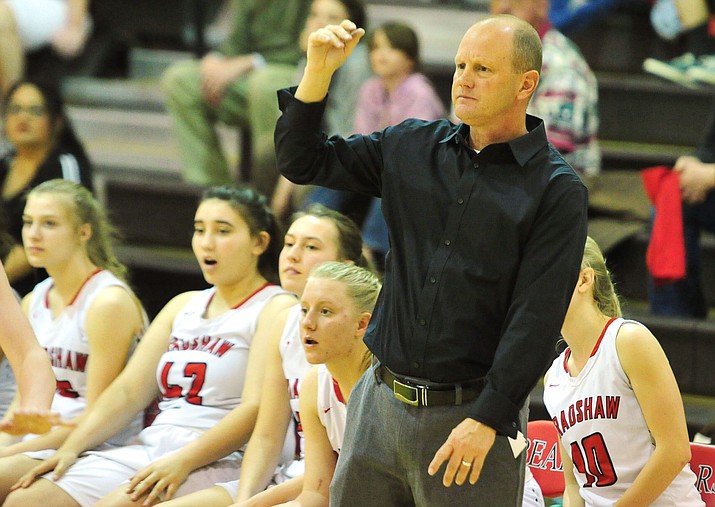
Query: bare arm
point(35, 378)
point(320, 459)
point(284, 492)
point(164, 476)
point(655, 387)
point(571, 495)
point(264, 448)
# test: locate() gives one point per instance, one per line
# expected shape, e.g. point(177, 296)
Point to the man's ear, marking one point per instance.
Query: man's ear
point(529, 82)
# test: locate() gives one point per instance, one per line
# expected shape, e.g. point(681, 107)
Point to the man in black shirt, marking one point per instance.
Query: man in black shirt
point(487, 226)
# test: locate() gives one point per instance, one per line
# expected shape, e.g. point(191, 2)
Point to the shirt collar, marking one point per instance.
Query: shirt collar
point(522, 148)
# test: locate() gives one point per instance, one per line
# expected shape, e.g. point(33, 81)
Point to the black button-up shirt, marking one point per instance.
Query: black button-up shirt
point(485, 247)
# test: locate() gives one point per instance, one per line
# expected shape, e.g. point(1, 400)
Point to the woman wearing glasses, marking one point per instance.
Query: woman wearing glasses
point(43, 146)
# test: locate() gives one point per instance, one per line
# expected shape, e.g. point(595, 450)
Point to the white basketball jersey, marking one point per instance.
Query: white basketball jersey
point(295, 366)
point(331, 408)
point(603, 429)
point(65, 339)
point(202, 373)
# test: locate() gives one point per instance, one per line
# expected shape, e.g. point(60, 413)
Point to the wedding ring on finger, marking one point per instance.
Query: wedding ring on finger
point(466, 463)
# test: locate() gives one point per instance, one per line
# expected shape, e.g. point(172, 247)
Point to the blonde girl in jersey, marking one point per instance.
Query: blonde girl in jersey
point(315, 236)
point(84, 314)
point(336, 306)
point(616, 405)
point(204, 353)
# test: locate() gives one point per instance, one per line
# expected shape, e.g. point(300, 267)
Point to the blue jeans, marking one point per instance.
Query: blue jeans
point(685, 298)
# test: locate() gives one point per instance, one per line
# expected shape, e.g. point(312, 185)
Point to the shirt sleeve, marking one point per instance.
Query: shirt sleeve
point(305, 155)
point(545, 281)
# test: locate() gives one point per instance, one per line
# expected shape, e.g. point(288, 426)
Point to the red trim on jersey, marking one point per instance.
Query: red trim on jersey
point(338, 393)
point(259, 289)
point(567, 352)
point(76, 295)
point(600, 338)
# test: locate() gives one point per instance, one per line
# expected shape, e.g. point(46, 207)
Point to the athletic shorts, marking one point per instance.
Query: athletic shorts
point(38, 20)
point(98, 473)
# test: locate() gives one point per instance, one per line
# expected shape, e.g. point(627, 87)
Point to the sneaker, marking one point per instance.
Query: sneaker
point(703, 71)
point(675, 70)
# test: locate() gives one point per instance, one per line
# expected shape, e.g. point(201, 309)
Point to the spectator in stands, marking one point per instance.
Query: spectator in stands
point(29, 362)
point(84, 315)
point(315, 236)
point(342, 101)
point(616, 405)
point(44, 146)
point(26, 25)
point(689, 19)
point(567, 95)
point(196, 354)
point(230, 86)
point(397, 91)
point(684, 298)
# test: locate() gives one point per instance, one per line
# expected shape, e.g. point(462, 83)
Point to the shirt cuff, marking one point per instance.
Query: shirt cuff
point(497, 411)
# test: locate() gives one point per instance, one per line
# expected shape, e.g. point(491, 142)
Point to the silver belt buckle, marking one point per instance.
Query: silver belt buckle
point(401, 391)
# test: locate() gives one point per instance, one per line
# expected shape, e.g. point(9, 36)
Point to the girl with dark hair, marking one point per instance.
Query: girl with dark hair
point(204, 354)
point(316, 236)
point(44, 146)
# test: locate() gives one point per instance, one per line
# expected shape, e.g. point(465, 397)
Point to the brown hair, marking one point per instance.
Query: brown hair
point(349, 235)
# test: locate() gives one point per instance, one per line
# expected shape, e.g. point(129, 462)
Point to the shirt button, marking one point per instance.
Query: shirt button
point(432, 279)
point(447, 242)
point(415, 364)
point(422, 322)
point(460, 201)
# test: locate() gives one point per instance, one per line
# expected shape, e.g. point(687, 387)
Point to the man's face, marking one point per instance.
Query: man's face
point(485, 84)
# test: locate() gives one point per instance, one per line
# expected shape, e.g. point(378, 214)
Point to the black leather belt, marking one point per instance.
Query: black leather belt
point(420, 393)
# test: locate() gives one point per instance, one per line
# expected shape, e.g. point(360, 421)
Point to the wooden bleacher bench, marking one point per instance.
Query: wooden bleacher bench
point(154, 216)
